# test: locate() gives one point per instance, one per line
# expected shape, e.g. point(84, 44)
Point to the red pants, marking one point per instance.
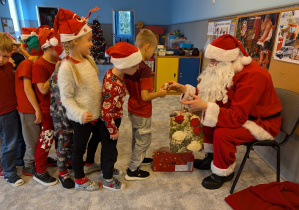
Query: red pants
point(223, 142)
point(44, 143)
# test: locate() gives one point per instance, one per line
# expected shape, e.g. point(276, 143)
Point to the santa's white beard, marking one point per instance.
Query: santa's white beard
point(214, 81)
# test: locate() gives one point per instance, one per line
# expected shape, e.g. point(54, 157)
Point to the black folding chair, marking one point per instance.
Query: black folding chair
point(290, 121)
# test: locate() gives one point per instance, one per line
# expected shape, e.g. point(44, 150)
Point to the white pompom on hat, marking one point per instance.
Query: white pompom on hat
point(124, 55)
point(227, 49)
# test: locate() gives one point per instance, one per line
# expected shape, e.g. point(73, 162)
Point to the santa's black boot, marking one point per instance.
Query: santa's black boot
point(215, 182)
point(204, 164)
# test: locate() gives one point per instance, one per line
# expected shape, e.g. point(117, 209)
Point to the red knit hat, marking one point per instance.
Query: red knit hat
point(26, 32)
point(124, 55)
point(227, 49)
point(14, 41)
point(70, 25)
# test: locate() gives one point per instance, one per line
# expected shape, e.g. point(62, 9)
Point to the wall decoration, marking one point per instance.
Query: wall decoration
point(46, 15)
point(221, 27)
point(257, 34)
point(7, 25)
point(287, 38)
point(210, 29)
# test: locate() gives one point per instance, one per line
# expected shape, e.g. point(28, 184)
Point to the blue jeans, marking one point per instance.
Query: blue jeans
point(10, 132)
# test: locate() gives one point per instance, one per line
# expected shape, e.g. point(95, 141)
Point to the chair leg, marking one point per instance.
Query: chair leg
point(240, 169)
point(278, 165)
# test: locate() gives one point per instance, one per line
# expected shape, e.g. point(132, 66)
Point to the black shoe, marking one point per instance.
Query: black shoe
point(14, 180)
point(45, 179)
point(66, 181)
point(147, 161)
point(214, 181)
point(51, 162)
point(28, 171)
point(136, 175)
point(204, 164)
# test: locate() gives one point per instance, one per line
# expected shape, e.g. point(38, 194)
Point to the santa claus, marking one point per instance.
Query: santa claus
point(238, 103)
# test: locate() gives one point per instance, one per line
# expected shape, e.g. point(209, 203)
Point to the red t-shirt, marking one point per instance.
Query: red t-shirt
point(24, 70)
point(141, 80)
point(8, 100)
point(41, 72)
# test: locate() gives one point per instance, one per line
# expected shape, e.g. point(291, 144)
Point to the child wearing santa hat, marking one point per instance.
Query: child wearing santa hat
point(125, 58)
point(41, 72)
point(79, 87)
point(28, 107)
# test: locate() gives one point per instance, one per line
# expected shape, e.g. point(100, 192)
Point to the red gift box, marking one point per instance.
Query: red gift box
point(164, 160)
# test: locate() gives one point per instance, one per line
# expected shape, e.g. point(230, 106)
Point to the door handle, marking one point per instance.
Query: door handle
point(174, 74)
point(181, 75)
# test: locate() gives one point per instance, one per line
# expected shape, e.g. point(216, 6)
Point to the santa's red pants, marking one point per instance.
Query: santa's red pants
point(223, 142)
point(44, 143)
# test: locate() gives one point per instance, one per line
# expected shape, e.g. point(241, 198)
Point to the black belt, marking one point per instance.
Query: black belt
point(250, 117)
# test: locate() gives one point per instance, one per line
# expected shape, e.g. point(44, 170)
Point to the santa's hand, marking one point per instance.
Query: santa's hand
point(197, 104)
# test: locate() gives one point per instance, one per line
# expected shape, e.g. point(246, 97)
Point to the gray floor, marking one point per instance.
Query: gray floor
point(163, 190)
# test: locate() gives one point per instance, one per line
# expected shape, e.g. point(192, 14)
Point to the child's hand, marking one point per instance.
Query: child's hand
point(86, 117)
point(162, 93)
point(38, 117)
point(115, 136)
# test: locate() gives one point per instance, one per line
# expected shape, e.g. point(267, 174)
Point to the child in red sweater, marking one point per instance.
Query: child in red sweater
point(125, 58)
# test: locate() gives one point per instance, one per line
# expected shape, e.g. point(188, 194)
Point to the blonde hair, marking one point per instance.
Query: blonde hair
point(67, 47)
point(6, 44)
point(144, 37)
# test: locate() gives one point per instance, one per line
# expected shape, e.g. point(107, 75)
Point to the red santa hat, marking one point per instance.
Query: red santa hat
point(48, 38)
point(124, 55)
point(227, 49)
point(26, 32)
point(14, 41)
point(70, 25)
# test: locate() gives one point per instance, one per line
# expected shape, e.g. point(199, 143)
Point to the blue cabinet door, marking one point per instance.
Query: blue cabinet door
point(188, 71)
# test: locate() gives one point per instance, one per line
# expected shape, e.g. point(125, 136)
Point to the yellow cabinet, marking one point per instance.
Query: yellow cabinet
point(166, 70)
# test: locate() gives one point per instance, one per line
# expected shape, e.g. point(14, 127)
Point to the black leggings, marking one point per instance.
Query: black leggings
point(108, 152)
point(80, 139)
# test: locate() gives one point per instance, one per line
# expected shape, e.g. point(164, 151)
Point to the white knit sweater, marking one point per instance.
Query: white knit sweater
point(79, 99)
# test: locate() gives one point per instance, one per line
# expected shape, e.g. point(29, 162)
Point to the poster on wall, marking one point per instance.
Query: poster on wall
point(257, 35)
point(210, 29)
point(233, 26)
point(220, 28)
point(287, 38)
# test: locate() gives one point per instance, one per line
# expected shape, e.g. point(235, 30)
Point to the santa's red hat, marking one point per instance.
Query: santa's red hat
point(70, 25)
point(124, 55)
point(227, 49)
point(48, 38)
point(26, 32)
point(14, 41)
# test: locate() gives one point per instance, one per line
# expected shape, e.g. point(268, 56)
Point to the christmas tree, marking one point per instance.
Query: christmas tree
point(99, 44)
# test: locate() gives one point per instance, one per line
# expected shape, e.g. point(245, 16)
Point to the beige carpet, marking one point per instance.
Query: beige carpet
point(163, 190)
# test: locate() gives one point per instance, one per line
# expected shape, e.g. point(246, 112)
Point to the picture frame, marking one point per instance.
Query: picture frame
point(46, 15)
point(7, 25)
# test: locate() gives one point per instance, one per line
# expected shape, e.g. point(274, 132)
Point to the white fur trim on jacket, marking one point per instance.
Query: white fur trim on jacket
point(68, 37)
point(208, 148)
point(219, 54)
point(257, 131)
point(127, 62)
point(210, 116)
point(223, 172)
point(190, 89)
point(79, 99)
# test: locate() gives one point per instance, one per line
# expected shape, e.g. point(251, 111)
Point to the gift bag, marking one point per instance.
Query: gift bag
point(185, 132)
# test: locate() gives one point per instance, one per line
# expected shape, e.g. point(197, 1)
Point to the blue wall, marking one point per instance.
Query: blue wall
point(193, 10)
point(4, 12)
point(150, 12)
